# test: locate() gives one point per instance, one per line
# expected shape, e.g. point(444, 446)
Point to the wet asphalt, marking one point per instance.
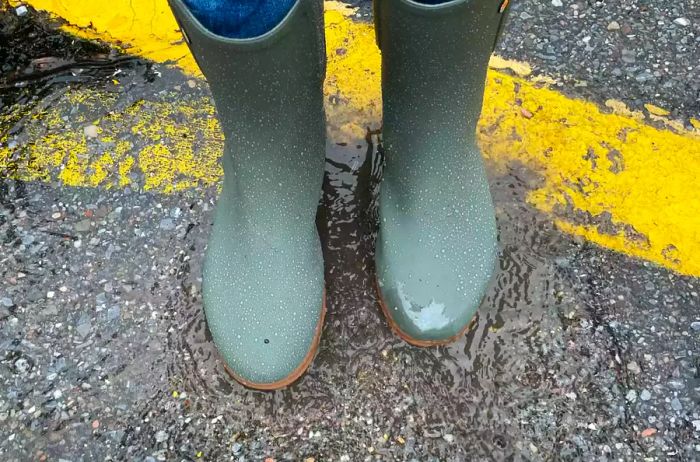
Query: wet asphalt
point(578, 353)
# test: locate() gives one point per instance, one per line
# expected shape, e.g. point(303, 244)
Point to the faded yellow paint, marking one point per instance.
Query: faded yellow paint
point(608, 177)
point(171, 156)
point(656, 110)
point(518, 67)
point(124, 171)
point(620, 108)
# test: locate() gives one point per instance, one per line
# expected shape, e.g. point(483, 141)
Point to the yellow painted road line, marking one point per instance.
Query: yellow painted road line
point(611, 178)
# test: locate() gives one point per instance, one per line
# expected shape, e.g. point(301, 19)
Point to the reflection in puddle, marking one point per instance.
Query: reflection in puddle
point(468, 388)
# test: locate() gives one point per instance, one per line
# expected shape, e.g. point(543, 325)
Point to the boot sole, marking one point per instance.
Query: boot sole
point(413, 341)
point(296, 373)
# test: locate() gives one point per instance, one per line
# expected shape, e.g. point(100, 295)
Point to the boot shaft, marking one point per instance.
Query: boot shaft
point(434, 62)
point(265, 87)
point(268, 91)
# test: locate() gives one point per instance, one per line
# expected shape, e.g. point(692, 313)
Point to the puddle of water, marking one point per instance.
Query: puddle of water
point(468, 387)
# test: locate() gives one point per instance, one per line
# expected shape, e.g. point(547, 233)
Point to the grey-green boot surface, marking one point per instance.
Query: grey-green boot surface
point(263, 282)
point(437, 243)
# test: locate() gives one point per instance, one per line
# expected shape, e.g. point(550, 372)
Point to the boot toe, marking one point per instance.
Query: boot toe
point(432, 303)
point(425, 321)
point(274, 359)
point(260, 353)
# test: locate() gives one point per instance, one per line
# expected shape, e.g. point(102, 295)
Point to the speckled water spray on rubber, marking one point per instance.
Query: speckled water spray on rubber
point(263, 276)
point(437, 244)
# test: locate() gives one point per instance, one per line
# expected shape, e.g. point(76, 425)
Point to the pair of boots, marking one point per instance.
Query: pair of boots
point(263, 288)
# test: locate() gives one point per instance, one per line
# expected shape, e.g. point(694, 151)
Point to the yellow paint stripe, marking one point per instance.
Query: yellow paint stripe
point(610, 178)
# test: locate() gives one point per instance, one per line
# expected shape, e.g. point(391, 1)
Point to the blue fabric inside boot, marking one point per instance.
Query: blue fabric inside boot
point(246, 18)
point(239, 18)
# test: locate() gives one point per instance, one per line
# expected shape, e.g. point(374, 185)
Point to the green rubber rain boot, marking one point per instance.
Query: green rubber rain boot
point(263, 283)
point(437, 242)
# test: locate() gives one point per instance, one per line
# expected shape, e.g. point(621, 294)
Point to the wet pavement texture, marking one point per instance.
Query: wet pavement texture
point(578, 353)
point(637, 51)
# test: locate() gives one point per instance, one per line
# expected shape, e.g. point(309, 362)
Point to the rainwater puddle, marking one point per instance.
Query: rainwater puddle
point(471, 386)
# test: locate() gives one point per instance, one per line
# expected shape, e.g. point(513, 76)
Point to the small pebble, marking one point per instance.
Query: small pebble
point(90, 131)
point(628, 56)
point(22, 366)
point(614, 25)
point(684, 22)
point(83, 329)
point(633, 367)
point(676, 404)
point(645, 395)
point(113, 313)
point(167, 224)
point(82, 226)
point(161, 436)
